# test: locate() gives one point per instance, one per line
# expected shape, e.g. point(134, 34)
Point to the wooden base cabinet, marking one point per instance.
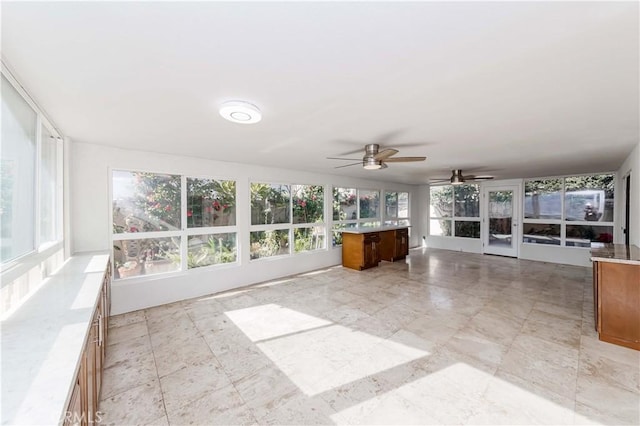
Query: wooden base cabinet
point(617, 303)
point(85, 396)
point(394, 244)
point(360, 251)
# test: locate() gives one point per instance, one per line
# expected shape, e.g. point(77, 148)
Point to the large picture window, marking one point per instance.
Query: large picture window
point(148, 235)
point(573, 211)
point(286, 219)
point(454, 211)
point(28, 180)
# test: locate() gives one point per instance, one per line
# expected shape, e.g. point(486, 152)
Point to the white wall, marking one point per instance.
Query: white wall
point(89, 216)
point(630, 165)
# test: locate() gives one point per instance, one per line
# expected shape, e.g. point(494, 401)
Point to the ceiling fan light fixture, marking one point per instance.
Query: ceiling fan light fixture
point(240, 112)
point(371, 163)
point(456, 177)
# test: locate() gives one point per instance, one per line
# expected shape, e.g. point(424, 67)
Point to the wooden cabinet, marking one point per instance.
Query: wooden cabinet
point(85, 395)
point(394, 244)
point(360, 251)
point(617, 303)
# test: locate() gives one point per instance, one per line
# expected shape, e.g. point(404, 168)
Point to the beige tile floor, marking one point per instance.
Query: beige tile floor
point(443, 338)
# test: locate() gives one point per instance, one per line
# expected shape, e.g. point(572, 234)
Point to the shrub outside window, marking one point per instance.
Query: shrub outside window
point(281, 216)
point(211, 249)
point(210, 202)
point(455, 211)
point(369, 203)
point(270, 204)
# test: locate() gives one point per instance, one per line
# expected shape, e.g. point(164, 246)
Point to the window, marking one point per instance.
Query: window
point(50, 188)
point(146, 223)
point(396, 208)
point(542, 211)
point(211, 205)
point(369, 203)
point(454, 211)
point(30, 207)
point(562, 211)
point(285, 217)
point(210, 202)
point(148, 236)
point(354, 207)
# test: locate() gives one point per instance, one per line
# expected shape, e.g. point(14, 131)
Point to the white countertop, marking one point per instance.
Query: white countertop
point(42, 342)
point(368, 229)
point(615, 253)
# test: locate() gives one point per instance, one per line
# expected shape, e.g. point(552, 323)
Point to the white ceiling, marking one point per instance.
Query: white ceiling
point(517, 89)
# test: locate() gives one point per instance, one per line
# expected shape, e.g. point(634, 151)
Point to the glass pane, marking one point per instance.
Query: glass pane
point(542, 199)
point(589, 198)
point(337, 236)
point(269, 243)
point(467, 229)
point(269, 203)
point(403, 204)
point(18, 174)
point(500, 218)
point(541, 233)
point(583, 235)
point(307, 239)
point(390, 222)
point(344, 204)
point(211, 203)
point(308, 203)
point(369, 204)
point(441, 200)
point(391, 204)
point(211, 249)
point(467, 200)
point(48, 187)
point(440, 227)
point(133, 258)
point(145, 202)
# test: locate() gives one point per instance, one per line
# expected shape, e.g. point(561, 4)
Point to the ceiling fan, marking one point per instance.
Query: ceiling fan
point(375, 159)
point(457, 178)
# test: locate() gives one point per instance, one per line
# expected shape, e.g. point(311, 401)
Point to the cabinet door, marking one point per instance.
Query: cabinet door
point(73, 416)
point(371, 250)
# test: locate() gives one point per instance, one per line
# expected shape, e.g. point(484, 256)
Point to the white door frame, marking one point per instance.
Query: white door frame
point(514, 250)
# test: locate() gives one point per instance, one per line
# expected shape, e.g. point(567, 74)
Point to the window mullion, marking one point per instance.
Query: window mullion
point(184, 240)
point(38, 184)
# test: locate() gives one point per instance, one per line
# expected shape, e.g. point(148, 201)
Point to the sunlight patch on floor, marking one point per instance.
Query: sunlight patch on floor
point(462, 394)
point(268, 321)
point(316, 354)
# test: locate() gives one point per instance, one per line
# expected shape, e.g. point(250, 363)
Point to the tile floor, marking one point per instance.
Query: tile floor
point(443, 338)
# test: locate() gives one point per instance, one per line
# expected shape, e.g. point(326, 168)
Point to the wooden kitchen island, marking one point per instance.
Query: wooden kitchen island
point(365, 247)
point(616, 293)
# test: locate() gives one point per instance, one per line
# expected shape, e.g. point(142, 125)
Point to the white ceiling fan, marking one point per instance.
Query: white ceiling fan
point(375, 159)
point(458, 178)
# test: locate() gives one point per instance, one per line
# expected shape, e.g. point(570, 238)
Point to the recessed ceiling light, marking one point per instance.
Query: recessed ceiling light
point(240, 112)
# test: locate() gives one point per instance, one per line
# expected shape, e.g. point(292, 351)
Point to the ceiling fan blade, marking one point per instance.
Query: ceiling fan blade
point(385, 153)
point(349, 159)
point(383, 166)
point(472, 177)
point(347, 165)
point(404, 159)
point(439, 180)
